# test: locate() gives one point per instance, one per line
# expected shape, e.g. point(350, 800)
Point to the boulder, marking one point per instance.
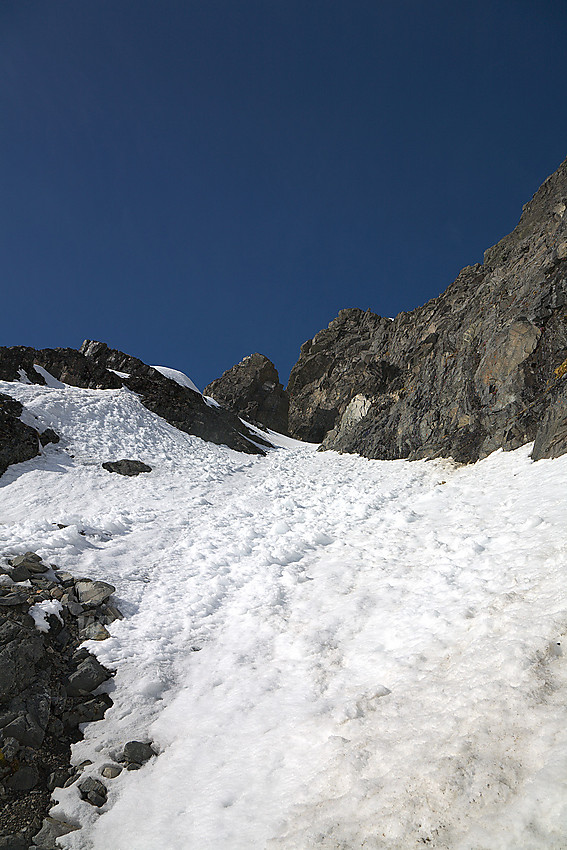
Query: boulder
point(253, 391)
point(51, 830)
point(126, 467)
point(93, 791)
point(136, 752)
point(87, 677)
point(93, 592)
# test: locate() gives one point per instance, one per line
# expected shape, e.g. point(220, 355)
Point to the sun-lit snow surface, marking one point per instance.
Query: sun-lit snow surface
point(177, 376)
point(377, 661)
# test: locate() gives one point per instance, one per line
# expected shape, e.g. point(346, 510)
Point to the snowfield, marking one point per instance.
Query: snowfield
point(327, 652)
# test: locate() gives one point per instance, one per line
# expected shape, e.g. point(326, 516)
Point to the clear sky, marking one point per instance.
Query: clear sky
point(193, 181)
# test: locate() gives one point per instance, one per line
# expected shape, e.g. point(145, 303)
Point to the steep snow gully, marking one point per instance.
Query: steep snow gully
point(326, 651)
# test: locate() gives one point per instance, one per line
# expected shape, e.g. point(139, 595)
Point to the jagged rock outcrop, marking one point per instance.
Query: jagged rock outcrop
point(95, 367)
point(66, 364)
point(480, 367)
point(252, 390)
point(18, 442)
point(180, 406)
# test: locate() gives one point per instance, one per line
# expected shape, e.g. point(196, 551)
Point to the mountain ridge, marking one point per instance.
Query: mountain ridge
point(477, 368)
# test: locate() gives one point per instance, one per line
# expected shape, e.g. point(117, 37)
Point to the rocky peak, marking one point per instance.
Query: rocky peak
point(252, 390)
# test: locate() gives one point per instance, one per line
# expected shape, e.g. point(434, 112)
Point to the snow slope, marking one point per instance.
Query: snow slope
point(328, 652)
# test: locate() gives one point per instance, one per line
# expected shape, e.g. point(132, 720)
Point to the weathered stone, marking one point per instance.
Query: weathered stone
point(9, 599)
point(89, 675)
point(57, 779)
point(9, 747)
point(93, 791)
point(107, 614)
point(111, 771)
point(74, 608)
point(252, 389)
point(126, 467)
point(18, 442)
point(21, 647)
point(26, 729)
point(551, 437)
point(42, 582)
point(94, 631)
point(31, 562)
point(48, 436)
point(478, 368)
point(24, 779)
point(137, 752)
point(65, 579)
point(50, 831)
point(14, 842)
point(93, 592)
point(87, 712)
point(20, 573)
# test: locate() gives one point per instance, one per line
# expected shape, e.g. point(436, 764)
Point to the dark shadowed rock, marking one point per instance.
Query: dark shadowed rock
point(13, 842)
point(126, 467)
point(18, 442)
point(65, 364)
point(478, 368)
point(137, 752)
point(252, 389)
point(48, 436)
point(551, 436)
point(21, 648)
point(93, 791)
point(24, 779)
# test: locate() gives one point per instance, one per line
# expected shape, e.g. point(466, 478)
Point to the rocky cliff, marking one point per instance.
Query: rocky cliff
point(252, 389)
point(480, 367)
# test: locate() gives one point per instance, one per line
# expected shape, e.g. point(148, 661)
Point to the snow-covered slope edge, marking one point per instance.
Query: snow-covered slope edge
point(327, 651)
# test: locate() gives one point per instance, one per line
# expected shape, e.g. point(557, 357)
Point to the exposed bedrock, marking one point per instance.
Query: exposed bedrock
point(252, 389)
point(95, 366)
point(18, 442)
point(480, 367)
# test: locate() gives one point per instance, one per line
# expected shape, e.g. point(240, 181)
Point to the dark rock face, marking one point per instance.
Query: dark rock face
point(180, 406)
point(252, 390)
point(91, 367)
point(65, 364)
point(480, 367)
point(333, 367)
point(46, 691)
point(18, 442)
point(126, 467)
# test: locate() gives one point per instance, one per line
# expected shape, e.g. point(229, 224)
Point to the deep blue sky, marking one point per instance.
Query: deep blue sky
point(194, 181)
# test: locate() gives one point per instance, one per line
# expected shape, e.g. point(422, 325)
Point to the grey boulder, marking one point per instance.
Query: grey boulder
point(126, 467)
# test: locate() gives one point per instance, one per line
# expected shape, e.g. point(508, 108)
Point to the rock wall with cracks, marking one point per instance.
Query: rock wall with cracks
point(480, 367)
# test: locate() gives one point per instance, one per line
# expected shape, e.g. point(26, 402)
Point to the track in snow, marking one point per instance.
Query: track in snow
point(373, 665)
